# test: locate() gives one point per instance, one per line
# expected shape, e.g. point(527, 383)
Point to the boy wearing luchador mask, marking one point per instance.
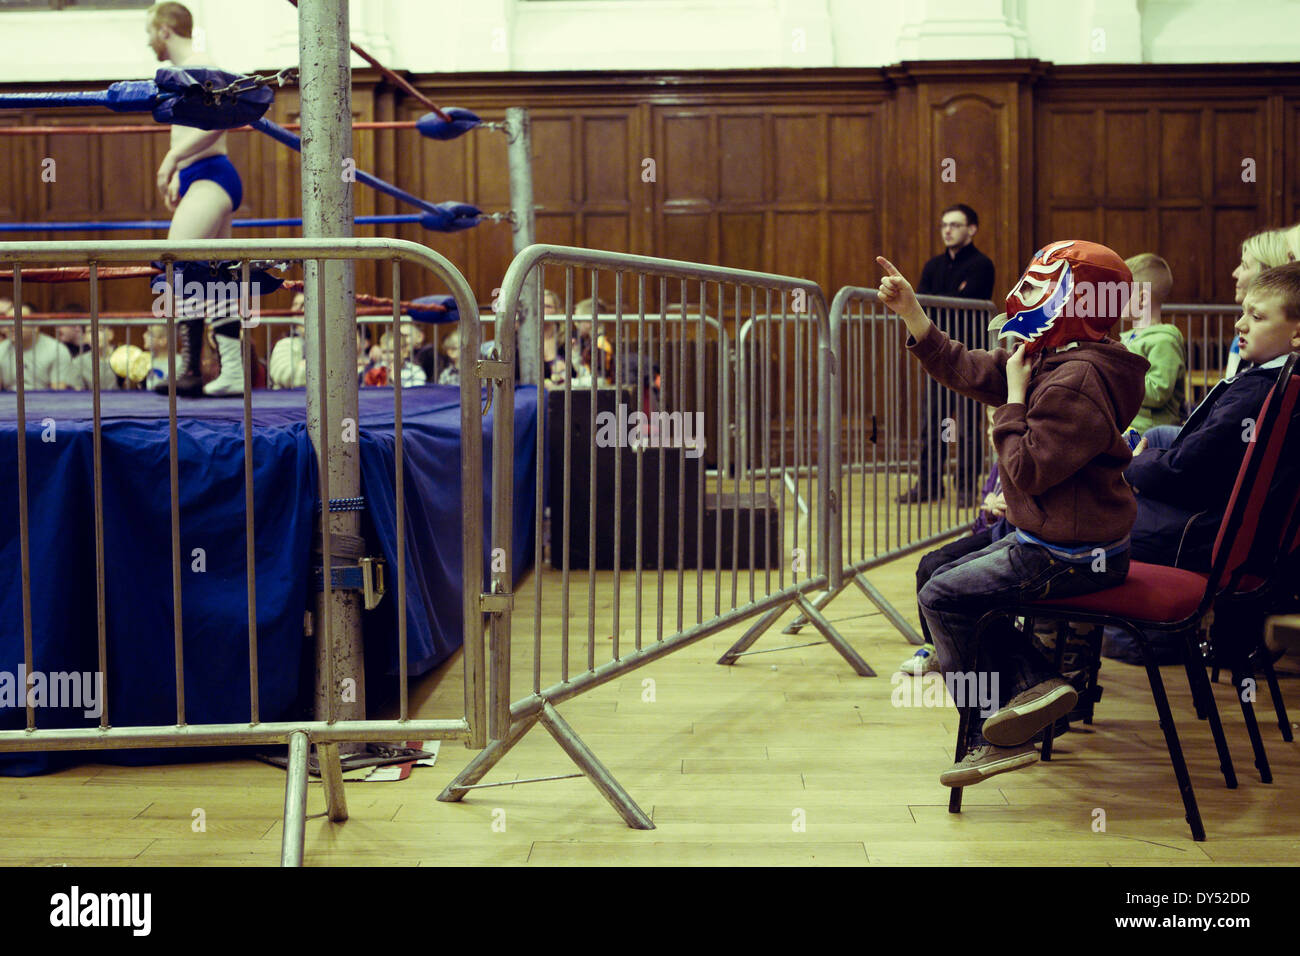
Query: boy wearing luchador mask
point(1065, 396)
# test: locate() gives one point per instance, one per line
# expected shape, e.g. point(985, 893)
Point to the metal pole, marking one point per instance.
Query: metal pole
point(327, 211)
point(520, 157)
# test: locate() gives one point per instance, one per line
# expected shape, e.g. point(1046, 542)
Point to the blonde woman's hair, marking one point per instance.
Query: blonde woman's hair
point(1293, 241)
point(1268, 247)
point(1149, 267)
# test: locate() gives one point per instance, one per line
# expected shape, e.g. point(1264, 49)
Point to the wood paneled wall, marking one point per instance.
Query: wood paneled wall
point(803, 172)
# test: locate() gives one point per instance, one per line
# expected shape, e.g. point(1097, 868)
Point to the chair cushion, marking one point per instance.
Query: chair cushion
point(1152, 593)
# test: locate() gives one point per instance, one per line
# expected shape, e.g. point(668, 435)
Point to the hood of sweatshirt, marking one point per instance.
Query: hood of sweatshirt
point(1121, 374)
point(1152, 332)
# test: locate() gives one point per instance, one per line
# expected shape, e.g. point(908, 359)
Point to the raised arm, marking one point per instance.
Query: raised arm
point(896, 292)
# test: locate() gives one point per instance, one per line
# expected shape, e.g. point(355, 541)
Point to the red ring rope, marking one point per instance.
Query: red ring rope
point(82, 274)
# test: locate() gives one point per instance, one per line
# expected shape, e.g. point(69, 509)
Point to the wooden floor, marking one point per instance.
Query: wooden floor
point(785, 758)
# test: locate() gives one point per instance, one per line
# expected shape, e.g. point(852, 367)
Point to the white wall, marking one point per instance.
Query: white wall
point(429, 36)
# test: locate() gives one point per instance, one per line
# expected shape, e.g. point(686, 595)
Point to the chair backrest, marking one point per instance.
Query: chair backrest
point(1247, 505)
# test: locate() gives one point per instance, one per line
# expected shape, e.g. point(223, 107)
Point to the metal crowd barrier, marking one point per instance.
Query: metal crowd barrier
point(898, 426)
point(689, 553)
point(338, 640)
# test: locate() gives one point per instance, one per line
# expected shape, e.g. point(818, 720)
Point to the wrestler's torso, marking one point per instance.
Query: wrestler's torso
point(180, 133)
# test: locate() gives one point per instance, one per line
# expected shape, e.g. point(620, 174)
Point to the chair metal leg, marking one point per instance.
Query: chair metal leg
point(1203, 694)
point(963, 730)
point(1058, 662)
point(1191, 812)
point(1279, 705)
point(1239, 679)
point(1094, 671)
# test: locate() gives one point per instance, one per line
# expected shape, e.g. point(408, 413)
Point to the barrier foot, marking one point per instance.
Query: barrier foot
point(486, 760)
point(834, 637)
point(820, 601)
point(579, 753)
point(888, 610)
point(754, 633)
point(295, 801)
point(331, 775)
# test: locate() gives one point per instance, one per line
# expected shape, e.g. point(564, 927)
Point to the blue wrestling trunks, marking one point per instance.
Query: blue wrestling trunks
point(221, 171)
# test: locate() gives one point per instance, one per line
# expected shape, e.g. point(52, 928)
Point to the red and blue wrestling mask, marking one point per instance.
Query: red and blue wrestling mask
point(1073, 291)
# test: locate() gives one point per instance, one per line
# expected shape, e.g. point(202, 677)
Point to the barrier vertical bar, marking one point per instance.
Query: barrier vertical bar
point(657, 436)
point(534, 343)
point(250, 571)
point(503, 484)
point(592, 453)
point(24, 529)
point(701, 363)
point(173, 464)
point(782, 489)
point(735, 478)
point(97, 436)
point(767, 438)
point(828, 453)
point(643, 384)
point(680, 387)
point(798, 433)
point(326, 690)
point(399, 487)
point(471, 523)
point(618, 456)
point(724, 407)
point(568, 468)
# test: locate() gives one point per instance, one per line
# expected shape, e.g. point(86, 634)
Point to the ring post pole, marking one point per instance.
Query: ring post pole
point(520, 157)
point(326, 85)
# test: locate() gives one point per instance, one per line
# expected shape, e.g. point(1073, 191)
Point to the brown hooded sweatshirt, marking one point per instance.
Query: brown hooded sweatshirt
point(1061, 455)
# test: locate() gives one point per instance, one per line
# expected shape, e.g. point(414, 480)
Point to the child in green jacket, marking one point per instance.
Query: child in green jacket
point(1160, 344)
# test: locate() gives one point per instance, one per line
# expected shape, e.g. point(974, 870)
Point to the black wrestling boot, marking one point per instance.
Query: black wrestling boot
point(189, 354)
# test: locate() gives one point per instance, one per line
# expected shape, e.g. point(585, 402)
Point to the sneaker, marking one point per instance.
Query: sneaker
point(924, 661)
point(1029, 712)
point(988, 761)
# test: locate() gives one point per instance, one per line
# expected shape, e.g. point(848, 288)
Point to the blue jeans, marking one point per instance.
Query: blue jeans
point(1161, 436)
point(1159, 533)
point(1005, 573)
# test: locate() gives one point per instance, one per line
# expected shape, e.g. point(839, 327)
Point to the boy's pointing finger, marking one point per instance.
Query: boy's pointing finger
point(888, 266)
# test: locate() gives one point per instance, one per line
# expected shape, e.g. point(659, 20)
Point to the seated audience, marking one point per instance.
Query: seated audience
point(451, 350)
point(46, 364)
point(287, 367)
point(412, 372)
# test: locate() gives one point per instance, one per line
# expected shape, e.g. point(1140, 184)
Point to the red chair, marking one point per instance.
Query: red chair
point(1237, 635)
point(1159, 598)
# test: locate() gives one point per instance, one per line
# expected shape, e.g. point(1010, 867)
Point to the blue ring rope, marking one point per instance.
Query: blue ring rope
point(166, 223)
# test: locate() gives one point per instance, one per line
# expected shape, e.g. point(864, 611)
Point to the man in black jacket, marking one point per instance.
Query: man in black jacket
point(961, 271)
